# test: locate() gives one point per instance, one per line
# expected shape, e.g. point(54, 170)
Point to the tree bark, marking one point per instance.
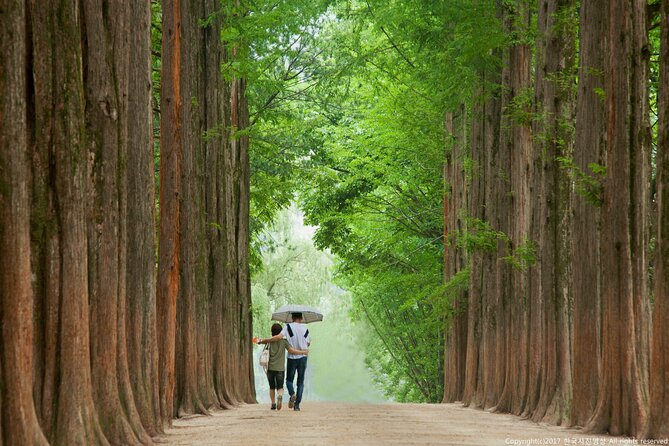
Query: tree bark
point(141, 270)
point(106, 59)
point(589, 148)
point(620, 409)
point(555, 56)
point(19, 423)
point(455, 201)
point(658, 412)
point(640, 175)
point(170, 190)
point(64, 385)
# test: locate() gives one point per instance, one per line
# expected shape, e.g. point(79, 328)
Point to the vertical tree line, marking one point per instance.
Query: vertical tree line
point(119, 311)
point(556, 323)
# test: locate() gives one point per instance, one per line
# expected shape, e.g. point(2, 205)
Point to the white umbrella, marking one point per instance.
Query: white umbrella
point(309, 314)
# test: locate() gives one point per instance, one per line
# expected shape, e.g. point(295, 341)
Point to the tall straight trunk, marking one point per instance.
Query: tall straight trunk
point(476, 209)
point(231, 206)
point(515, 140)
point(140, 248)
point(216, 105)
point(44, 220)
point(480, 389)
point(555, 56)
point(455, 196)
point(106, 59)
point(64, 384)
point(658, 412)
point(19, 422)
point(620, 408)
point(170, 190)
point(640, 175)
point(588, 149)
point(492, 293)
point(243, 240)
point(187, 398)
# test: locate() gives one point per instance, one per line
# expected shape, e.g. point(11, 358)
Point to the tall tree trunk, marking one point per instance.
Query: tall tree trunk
point(658, 413)
point(59, 225)
point(515, 141)
point(455, 196)
point(555, 56)
point(19, 423)
point(141, 271)
point(620, 408)
point(640, 175)
point(187, 397)
point(170, 190)
point(589, 147)
point(243, 241)
point(218, 134)
point(106, 59)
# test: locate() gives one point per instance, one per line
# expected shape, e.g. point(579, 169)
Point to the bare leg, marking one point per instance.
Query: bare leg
point(279, 398)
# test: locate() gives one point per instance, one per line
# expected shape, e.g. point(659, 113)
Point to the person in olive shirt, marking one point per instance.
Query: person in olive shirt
point(277, 366)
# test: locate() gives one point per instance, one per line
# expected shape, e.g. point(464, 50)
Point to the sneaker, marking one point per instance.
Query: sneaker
point(291, 401)
point(273, 407)
point(297, 407)
point(279, 402)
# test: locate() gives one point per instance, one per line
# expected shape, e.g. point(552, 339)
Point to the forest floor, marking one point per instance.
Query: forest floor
point(370, 424)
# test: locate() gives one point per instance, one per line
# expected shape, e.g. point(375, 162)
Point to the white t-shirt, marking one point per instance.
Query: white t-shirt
point(298, 341)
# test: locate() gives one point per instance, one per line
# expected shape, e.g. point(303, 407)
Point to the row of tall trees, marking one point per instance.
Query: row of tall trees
point(556, 322)
point(107, 333)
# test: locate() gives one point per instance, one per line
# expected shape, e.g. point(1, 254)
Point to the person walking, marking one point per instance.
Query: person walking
point(297, 335)
point(277, 366)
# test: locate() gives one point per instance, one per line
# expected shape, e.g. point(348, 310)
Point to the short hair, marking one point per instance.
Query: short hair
point(276, 329)
point(297, 316)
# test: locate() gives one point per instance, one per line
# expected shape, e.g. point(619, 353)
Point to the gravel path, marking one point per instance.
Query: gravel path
point(370, 424)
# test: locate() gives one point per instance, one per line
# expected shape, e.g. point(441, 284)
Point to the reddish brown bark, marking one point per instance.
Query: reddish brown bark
point(555, 56)
point(59, 229)
point(170, 189)
point(640, 175)
point(106, 59)
point(187, 397)
point(243, 240)
point(18, 416)
point(516, 142)
point(589, 147)
point(455, 193)
point(141, 241)
point(658, 412)
point(620, 408)
point(476, 210)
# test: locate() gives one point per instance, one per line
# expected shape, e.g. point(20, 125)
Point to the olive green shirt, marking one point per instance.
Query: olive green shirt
point(277, 355)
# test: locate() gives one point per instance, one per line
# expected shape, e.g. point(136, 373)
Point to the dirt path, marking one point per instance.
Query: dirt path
point(367, 424)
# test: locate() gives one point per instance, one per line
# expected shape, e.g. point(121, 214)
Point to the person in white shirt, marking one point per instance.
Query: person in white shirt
point(297, 335)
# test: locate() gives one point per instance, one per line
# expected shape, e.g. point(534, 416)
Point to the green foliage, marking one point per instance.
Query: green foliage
point(295, 272)
point(479, 236)
point(588, 185)
point(522, 256)
point(348, 100)
point(520, 109)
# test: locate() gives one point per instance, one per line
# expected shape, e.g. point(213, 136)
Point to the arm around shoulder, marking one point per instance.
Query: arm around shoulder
point(275, 338)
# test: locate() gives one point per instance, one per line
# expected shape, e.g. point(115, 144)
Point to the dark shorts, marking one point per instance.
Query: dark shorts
point(275, 379)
